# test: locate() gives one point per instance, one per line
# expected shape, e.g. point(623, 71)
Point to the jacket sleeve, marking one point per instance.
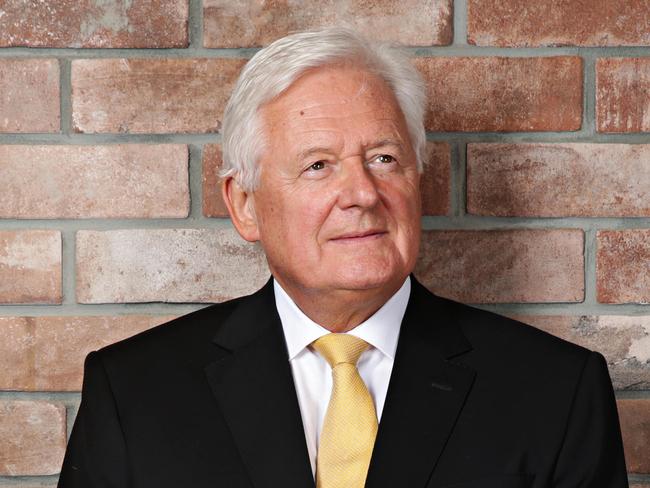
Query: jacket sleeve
point(592, 451)
point(96, 456)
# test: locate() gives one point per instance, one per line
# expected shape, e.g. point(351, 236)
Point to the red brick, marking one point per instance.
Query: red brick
point(623, 94)
point(213, 204)
point(623, 266)
point(249, 23)
point(166, 265)
point(634, 415)
point(32, 438)
point(490, 94)
point(558, 23)
point(117, 181)
point(623, 340)
point(435, 182)
point(151, 95)
point(503, 265)
point(47, 353)
point(29, 95)
point(30, 266)
point(558, 180)
point(87, 23)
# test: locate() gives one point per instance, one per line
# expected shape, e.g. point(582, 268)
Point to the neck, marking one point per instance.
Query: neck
point(340, 310)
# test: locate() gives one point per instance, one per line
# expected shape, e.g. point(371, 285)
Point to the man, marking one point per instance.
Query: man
point(343, 370)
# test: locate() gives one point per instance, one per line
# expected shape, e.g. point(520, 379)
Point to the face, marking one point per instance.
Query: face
point(338, 204)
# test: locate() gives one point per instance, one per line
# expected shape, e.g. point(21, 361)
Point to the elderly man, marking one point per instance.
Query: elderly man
point(342, 371)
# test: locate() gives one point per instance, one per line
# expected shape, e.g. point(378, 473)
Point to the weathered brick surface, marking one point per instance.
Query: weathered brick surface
point(117, 181)
point(151, 95)
point(503, 265)
point(623, 340)
point(634, 415)
point(30, 266)
point(558, 23)
point(168, 265)
point(503, 94)
point(623, 266)
point(623, 94)
point(558, 180)
point(213, 204)
point(29, 95)
point(248, 23)
point(88, 23)
point(435, 181)
point(32, 438)
point(47, 353)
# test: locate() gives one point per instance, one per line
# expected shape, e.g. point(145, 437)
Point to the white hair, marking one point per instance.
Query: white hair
point(273, 69)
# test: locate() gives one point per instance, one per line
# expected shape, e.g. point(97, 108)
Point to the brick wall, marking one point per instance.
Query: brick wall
point(536, 191)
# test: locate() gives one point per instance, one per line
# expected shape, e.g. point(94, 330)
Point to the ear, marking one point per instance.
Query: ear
point(241, 207)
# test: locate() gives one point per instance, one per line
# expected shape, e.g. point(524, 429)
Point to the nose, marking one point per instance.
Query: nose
point(358, 187)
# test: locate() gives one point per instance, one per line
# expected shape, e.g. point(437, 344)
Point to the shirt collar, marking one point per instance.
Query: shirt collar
point(381, 330)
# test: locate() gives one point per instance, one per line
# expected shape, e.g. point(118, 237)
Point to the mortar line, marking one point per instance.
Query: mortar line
point(542, 137)
point(461, 180)
point(91, 310)
point(20, 481)
point(453, 179)
point(65, 96)
point(639, 478)
point(107, 138)
point(196, 138)
point(71, 412)
point(590, 266)
point(201, 52)
point(195, 24)
point(196, 181)
point(460, 22)
point(463, 222)
point(632, 395)
point(589, 95)
point(67, 398)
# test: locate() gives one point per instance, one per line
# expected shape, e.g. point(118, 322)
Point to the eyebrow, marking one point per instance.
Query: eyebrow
point(385, 142)
point(328, 150)
point(313, 150)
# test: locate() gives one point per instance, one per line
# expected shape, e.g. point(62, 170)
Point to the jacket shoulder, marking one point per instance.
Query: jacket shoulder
point(508, 335)
point(188, 335)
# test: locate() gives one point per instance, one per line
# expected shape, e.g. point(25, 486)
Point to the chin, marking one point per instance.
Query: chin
point(367, 279)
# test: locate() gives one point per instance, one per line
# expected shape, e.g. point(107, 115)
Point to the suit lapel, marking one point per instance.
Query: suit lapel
point(425, 395)
point(254, 387)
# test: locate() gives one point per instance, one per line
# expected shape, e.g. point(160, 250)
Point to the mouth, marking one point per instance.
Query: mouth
point(367, 235)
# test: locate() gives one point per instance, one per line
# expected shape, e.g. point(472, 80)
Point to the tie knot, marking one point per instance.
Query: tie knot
point(340, 348)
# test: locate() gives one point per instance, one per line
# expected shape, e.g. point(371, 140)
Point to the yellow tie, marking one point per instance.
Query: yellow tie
point(350, 426)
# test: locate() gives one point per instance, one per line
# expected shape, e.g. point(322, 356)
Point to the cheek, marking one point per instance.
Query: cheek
point(313, 210)
point(294, 224)
point(406, 212)
point(403, 202)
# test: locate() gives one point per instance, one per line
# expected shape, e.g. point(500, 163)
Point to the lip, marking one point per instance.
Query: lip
point(359, 236)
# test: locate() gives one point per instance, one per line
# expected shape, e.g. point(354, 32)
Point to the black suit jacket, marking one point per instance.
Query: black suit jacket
point(475, 400)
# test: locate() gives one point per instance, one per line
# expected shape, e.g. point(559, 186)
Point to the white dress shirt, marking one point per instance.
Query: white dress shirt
point(312, 375)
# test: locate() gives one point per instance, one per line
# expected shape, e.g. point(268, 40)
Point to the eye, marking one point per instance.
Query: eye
point(317, 166)
point(385, 158)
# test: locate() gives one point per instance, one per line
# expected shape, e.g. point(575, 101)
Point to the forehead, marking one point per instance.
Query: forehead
point(335, 101)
